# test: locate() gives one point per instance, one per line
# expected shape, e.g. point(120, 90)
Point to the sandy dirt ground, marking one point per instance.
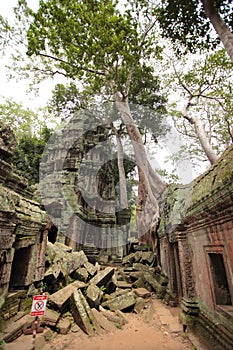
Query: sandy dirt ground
point(156, 328)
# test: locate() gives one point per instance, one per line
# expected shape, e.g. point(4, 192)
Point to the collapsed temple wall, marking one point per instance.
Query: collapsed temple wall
point(195, 232)
point(196, 245)
point(23, 230)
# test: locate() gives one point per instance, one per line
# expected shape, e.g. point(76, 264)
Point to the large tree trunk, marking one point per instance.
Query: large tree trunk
point(200, 131)
point(223, 31)
point(121, 169)
point(147, 206)
point(201, 134)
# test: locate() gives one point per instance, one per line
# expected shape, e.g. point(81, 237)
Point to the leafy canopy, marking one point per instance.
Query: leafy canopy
point(185, 21)
point(97, 42)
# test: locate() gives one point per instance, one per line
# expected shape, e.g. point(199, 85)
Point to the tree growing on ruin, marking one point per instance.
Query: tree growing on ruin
point(103, 46)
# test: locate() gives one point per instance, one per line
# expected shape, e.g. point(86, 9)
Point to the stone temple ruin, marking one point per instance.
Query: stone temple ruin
point(23, 233)
point(87, 220)
point(78, 267)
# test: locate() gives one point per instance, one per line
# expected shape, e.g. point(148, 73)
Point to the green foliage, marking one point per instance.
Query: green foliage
point(118, 325)
point(204, 85)
point(92, 41)
point(21, 120)
point(4, 33)
point(103, 288)
point(67, 99)
point(27, 155)
point(2, 343)
point(31, 134)
point(185, 22)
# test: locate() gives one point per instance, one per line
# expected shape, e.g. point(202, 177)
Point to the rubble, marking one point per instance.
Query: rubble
point(95, 298)
point(102, 277)
point(121, 302)
point(60, 299)
point(94, 295)
point(103, 322)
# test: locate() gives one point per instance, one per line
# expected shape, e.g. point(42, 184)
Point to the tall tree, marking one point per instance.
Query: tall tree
point(98, 43)
point(204, 86)
point(28, 153)
point(22, 120)
point(31, 134)
point(188, 22)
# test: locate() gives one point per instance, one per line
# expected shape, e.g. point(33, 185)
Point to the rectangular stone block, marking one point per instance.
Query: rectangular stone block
point(103, 276)
point(15, 329)
point(121, 302)
point(94, 295)
point(152, 281)
point(142, 292)
point(61, 297)
point(63, 326)
point(91, 269)
point(81, 313)
point(50, 317)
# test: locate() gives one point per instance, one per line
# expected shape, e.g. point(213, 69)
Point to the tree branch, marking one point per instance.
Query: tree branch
point(90, 70)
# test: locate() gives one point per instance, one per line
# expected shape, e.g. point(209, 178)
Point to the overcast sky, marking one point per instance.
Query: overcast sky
point(18, 90)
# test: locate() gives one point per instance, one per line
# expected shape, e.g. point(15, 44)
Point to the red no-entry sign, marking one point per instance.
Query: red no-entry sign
point(38, 305)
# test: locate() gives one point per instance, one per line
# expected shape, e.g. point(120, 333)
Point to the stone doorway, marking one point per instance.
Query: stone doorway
point(20, 265)
point(52, 234)
point(174, 270)
point(219, 277)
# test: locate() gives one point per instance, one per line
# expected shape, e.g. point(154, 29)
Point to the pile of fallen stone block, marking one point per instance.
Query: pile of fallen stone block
point(94, 298)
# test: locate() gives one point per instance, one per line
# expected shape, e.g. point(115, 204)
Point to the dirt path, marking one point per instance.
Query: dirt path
point(156, 328)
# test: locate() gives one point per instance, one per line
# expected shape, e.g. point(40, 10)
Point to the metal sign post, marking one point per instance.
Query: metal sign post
point(38, 309)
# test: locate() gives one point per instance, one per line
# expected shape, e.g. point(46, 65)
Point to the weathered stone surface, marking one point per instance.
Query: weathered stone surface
point(148, 313)
point(103, 276)
point(140, 283)
point(81, 312)
point(74, 261)
point(12, 302)
point(94, 295)
point(81, 274)
point(136, 274)
point(75, 328)
point(152, 281)
point(15, 329)
point(129, 259)
point(103, 322)
point(122, 316)
point(91, 269)
point(50, 317)
point(60, 298)
point(147, 257)
point(111, 315)
point(142, 292)
point(51, 275)
point(63, 326)
point(195, 229)
point(111, 285)
point(137, 256)
point(62, 256)
point(123, 284)
point(63, 247)
point(121, 302)
point(163, 280)
point(139, 305)
point(140, 267)
point(119, 292)
point(22, 343)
